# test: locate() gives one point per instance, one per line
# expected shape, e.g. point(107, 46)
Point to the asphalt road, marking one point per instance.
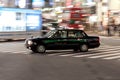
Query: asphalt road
point(17, 63)
point(111, 41)
point(37, 67)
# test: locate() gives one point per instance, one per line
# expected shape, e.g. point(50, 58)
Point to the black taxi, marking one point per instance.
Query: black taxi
point(62, 39)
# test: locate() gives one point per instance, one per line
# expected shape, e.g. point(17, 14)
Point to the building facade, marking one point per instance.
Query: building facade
point(7, 3)
point(26, 3)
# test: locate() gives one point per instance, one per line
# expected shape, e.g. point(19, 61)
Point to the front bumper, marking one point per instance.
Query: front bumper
point(29, 44)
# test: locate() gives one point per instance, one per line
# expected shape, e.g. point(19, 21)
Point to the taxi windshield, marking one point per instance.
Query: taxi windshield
point(50, 33)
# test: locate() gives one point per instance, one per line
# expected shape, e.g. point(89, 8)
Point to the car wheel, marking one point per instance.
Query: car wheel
point(41, 49)
point(84, 48)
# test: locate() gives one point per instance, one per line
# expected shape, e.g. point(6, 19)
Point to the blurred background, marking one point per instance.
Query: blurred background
point(102, 16)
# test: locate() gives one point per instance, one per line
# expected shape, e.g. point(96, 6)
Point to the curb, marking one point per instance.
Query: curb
point(11, 40)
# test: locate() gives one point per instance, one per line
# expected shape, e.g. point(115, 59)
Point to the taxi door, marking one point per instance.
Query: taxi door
point(75, 38)
point(58, 40)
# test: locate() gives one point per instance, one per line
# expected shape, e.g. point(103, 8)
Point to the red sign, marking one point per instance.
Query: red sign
point(76, 16)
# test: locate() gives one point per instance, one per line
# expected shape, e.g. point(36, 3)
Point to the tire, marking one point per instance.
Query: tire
point(41, 49)
point(83, 48)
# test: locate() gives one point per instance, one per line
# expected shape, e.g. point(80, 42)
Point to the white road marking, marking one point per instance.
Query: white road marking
point(97, 54)
point(105, 55)
point(18, 52)
point(68, 54)
point(113, 57)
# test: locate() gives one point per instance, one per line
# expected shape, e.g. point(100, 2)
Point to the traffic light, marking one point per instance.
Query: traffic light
point(93, 9)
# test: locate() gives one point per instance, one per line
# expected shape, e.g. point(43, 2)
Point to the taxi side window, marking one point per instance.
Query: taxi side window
point(57, 35)
point(60, 34)
point(75, 34)
point(71, 34)
point(64, 34)
point(79, 35)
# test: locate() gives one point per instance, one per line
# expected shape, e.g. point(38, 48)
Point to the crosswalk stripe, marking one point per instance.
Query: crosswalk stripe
point(99, 52)
point(106, 49)
point(105, 55)
point(68, 55)
point(15, 52)
point(88, 55)
point(109, 46)
point(103, 47)
point(113, 57)
point(23, 52)
point(58, 52)
point(103, 52)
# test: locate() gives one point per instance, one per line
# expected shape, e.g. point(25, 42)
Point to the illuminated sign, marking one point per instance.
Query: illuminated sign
point(38, 3)
point(14, 19)
point(20, 3)
point(51, 3)
point(33, 22)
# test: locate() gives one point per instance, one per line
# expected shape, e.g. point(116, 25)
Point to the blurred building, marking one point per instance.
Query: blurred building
point(107, 9)
point(101, 8)
point(7, 3)
point(26, 3)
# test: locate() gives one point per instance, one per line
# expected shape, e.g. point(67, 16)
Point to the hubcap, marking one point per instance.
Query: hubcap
point(84, 48)
point(41, 48)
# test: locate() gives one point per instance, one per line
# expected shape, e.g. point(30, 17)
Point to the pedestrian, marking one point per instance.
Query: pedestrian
point(108, 30)
point(100, 28)
point(118, 28)
point(115, 29)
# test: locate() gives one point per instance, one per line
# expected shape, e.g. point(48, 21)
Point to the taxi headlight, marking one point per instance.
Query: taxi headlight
point(30, 42)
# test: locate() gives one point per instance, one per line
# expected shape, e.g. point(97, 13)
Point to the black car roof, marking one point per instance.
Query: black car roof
point(70, 29)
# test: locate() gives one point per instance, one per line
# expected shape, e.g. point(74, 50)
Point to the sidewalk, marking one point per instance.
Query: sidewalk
point(102, 33)
point(11, 40)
